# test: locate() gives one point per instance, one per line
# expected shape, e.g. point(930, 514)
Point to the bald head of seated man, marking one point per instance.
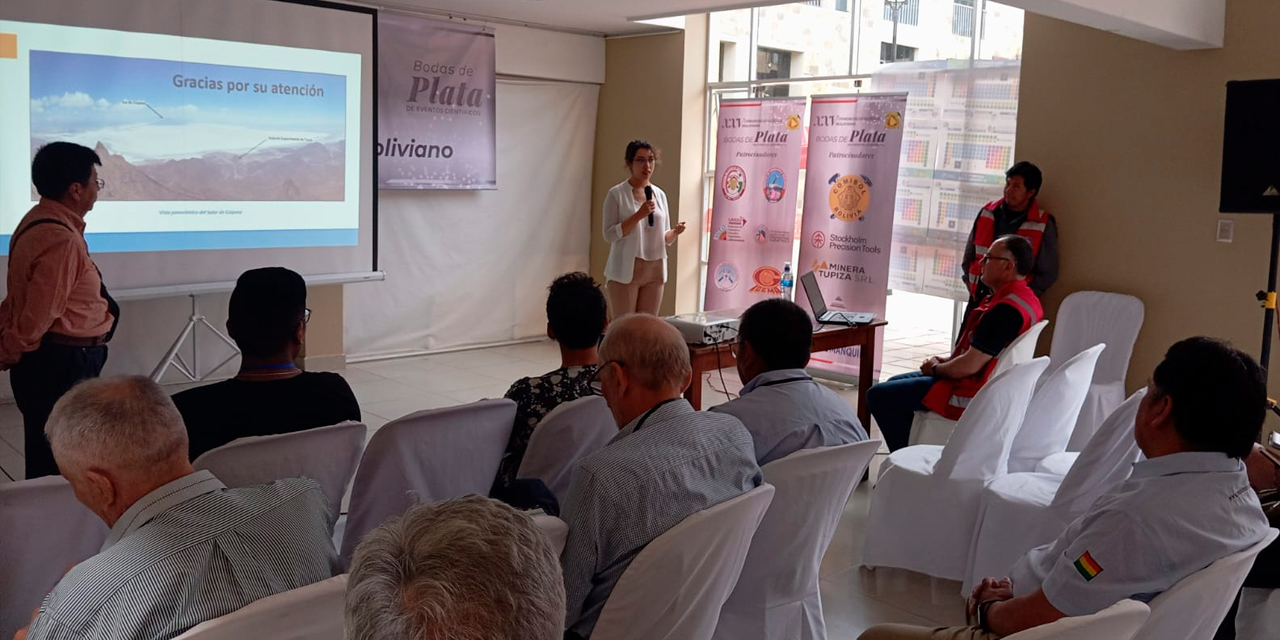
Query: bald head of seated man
point(183, 548)
point(1187, 505)
point(666, 463)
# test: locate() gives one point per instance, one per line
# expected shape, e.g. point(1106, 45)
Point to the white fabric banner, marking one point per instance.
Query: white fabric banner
point(472, 268)
point(435, 104)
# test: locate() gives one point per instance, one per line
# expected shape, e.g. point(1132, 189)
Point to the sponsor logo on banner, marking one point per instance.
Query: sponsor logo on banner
point(768, 281)
point(849, 197)
point(775, 185)
point(734, 182)
point(893, 120)
point(793, 122)
point(726, 276)
point(721, 234)
point(762, 234)
point(839, 271)
point(819, 239)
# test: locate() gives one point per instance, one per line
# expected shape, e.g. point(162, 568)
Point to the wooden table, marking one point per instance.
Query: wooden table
point(711, 357)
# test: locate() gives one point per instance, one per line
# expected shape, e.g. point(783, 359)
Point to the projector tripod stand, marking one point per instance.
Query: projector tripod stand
point(172, 357)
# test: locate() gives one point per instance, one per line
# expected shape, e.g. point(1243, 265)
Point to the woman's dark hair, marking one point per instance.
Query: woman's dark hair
point(58, 165)
point(636, 145)
point(576, 310)
point(779, 331)
point(1218, 392)
point(1024, 257)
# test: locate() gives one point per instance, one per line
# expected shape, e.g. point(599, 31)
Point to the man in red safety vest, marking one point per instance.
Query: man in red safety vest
point(1016, 213)
point(946, 385)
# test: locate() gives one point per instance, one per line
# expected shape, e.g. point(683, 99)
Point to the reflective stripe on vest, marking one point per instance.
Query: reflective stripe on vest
point(984, 235)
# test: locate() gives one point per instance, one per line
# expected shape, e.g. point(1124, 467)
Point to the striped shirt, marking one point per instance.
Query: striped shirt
point(661, 468)
point(189, 551)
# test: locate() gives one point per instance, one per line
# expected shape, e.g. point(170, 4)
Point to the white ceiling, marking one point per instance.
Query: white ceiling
point(600, 17)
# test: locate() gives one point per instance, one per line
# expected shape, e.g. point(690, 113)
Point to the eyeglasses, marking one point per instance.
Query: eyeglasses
point(596, 384)
point(988, 258)
point(102, 184)
point(653, 160)
point(733, 348)
point(306, 316)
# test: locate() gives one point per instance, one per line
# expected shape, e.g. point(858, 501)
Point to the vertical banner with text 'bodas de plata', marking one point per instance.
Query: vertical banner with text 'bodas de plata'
point(436, 127)
point(754, 208)
point(847, 227)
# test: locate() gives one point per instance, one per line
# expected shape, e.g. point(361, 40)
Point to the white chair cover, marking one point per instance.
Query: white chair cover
point(777, 594)
point(328, 455)
point(44, 531)
point(674, 588)
point(1022, 511)
point(313, 612)
point(1117, 622)
point(427, 456)
point(930, 428)
point(565, 435)
point(1052, 414)
point(1060, 464)
point(1193, 608)
point(924, 508)
point(1087, 318)
point(1259, 614)
point(555, 529)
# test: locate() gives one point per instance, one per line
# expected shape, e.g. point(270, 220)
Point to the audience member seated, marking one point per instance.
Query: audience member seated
point(468, 568)
point(781, 405)
point(268, 320)
point(1185, 506)
point(183, 548)
point(1264, 477)
point(576, 318)
point(667, 462)
point(946, 385)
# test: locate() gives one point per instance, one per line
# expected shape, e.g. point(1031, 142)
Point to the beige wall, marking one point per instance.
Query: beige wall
point(654, 89)
point(1129, 136)
point(324, 348)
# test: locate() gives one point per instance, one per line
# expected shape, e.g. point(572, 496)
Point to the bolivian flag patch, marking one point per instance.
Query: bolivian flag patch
point(1088, 567)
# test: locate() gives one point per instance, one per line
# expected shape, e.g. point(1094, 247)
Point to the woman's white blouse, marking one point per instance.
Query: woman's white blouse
point(644, 242)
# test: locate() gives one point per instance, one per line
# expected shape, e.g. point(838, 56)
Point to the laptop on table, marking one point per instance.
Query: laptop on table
point(820, 312)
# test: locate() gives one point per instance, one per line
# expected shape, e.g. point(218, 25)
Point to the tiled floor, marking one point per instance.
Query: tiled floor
point(853, 597)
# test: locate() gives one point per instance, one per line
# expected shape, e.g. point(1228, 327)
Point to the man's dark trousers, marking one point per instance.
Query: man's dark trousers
point(39, 379)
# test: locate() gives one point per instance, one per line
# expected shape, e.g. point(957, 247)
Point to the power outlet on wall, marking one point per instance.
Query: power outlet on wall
point(1226, 229)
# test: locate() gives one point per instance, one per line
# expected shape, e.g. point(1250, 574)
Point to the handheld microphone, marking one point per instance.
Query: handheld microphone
point(648, 195)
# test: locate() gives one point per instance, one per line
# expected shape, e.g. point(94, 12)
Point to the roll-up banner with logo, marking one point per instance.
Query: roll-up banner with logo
point(847, 227)
point(436, 125)
point(754, 208)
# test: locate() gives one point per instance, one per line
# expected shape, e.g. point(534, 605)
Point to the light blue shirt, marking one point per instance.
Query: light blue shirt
point(1175, 515)
point(786, 411)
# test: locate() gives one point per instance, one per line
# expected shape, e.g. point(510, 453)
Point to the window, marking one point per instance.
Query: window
point(772, 64)
point(908, 11)
point(905, 53)
point(843, 5)
point(962, 18)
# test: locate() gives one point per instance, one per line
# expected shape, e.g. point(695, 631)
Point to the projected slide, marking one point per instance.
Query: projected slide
point(205, 144)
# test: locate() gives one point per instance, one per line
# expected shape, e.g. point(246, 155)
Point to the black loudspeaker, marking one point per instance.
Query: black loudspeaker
point(1251, 148)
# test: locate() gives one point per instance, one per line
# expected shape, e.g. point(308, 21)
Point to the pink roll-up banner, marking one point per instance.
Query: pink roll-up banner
point(753, 215)
point(847, 227)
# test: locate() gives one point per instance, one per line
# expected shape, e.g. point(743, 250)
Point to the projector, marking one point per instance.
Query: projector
point(709, 327)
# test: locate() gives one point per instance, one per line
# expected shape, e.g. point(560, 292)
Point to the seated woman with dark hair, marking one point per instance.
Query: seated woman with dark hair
point(270, 395)
point(576, 318)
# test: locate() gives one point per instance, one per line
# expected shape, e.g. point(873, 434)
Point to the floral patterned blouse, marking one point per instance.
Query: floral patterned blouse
point(535, 398)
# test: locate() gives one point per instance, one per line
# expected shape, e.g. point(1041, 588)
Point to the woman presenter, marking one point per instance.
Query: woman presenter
point(638, 227)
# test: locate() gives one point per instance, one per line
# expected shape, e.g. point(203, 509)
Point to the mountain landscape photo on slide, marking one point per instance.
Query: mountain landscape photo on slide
point(180, 131)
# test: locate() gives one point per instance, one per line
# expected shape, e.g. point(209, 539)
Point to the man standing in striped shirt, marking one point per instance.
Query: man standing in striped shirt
point(183, 548)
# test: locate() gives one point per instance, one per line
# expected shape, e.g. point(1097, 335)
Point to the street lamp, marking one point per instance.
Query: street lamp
point(895, 6)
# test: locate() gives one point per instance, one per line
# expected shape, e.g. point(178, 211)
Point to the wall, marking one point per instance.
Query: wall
point(1129, 136)
point(655, 89)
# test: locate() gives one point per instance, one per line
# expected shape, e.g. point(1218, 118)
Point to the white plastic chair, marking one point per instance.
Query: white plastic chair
point(930, 428)
point(313, 612)
point(328, 455)
point(1022, 511)
point(425, 457)
point(924, 508)
point(565, 435)
point(1087, 318)
point(1193, 608)
point(555, 529)
point(44, 531)
point(1117, 622)
point(1052, 414)
point(1259, 614)
point(777, 594)
point(674, 588)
